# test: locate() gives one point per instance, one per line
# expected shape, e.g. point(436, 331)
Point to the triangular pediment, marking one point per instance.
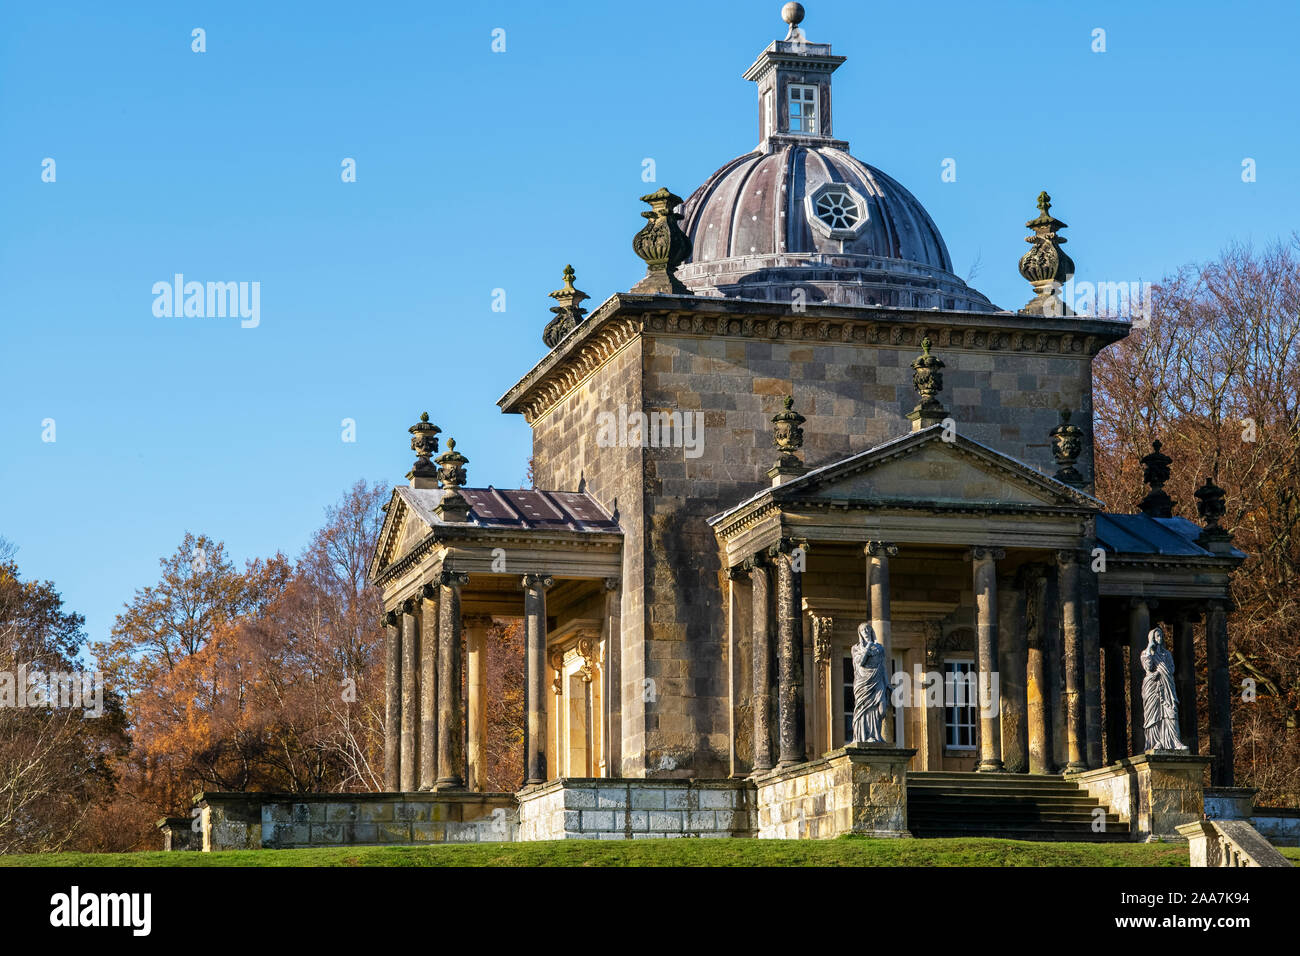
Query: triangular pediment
point(403, 529)
point(926, 468)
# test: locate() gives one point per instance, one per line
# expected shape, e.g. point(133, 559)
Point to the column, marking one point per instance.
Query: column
point(1013, 669)
point(1216, 657)
point(451, 729)
point(1068, 572)
point(410, 761)
point(535, 586)
point(392, 701)
point(429, 687)
point(878, 555)
point(985, 561)
point(789, 559)
point(1037, 686)
point(476, 635)
point(1139, 624)
point(760, 578)
point(1185, 676)
point(611, 737)
point(825, 683)
point(1091, 623)
point(1116, 712)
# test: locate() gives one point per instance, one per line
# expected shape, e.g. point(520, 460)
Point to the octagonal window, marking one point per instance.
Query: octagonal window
point(838, 209)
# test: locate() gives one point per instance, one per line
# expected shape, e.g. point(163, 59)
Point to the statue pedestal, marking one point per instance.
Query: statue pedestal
point(1154, 793)
point(858, 789)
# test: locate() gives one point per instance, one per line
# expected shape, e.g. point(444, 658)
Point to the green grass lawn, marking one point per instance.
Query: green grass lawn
point(846, 851)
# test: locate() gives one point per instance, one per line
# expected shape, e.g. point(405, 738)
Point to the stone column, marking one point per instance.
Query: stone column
point(985, 565)
point(1220, 695)
point(1116, 712)
point(476, 635)
point(1185, 671)
point(429, 687)
point(1037, 684)
point(611, 677)
point(1090, 620)
point(536, 688)
point(392, 701)
point(451, 727)
point(1013, 668)
point(878, 555)
point(823, 655)
point(410, 761)
point(1139, 624)
point(760, 578)
point(789, 612)
point(1068, 572)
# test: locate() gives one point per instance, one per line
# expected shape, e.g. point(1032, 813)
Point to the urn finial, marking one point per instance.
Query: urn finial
point(1067, 446)
point(568, 313)
point(1211, 507)
point(1155, 472)
point(1046, 266)
point(787, 436)
point(662, 244)
point(451, 478)
point(927, 379)
point(424, 442)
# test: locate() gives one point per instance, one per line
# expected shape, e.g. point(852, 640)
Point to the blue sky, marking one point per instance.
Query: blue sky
point(479, 171)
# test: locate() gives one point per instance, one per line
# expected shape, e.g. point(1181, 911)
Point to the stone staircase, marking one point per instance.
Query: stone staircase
point(1011, 806)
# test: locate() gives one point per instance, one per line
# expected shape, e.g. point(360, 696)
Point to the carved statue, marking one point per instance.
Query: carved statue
point(870, 688)
point(1159, 698)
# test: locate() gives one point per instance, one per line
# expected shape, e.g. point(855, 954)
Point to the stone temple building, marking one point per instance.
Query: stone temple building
point(799, 420)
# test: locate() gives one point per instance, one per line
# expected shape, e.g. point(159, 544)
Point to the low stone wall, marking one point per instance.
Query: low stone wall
point(1279, 825)
point(180, 833)
point(1229, 803)
point(575, 808)
point(1154, 793)
point(249, 821)
point(859, 790)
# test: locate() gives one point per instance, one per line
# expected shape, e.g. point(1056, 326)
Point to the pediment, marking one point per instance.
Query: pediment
point(926, 469)
point(403, 529)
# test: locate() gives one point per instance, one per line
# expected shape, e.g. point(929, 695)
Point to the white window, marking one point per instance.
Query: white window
point(960, 696)
point(803, 108)
point(767, 114)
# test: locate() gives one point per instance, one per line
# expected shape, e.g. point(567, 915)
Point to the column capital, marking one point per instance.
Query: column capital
point(985, 554)
point(429, 591)
point(476, 620)
point(451, 579)
point(1071, 556)
point(738, 572)
point(409, 606)
point(531, 581)
point(1137, 601)
point(1226, 604)
point(756, 561)
point(613, 584)
point(880, 549)
point(390, 618)
point(788, 545)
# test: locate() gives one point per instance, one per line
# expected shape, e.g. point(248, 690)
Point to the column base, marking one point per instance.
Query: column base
point(991, 766)
point(449, 783)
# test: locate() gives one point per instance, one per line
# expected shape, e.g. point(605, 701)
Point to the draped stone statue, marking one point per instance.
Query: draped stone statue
point(870, 688)
point(1159, 697)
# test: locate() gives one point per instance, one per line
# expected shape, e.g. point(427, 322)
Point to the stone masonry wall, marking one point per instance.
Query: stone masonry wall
point(603, 809)
point(248, 821)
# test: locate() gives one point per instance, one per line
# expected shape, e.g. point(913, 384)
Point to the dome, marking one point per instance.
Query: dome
point(800, 212)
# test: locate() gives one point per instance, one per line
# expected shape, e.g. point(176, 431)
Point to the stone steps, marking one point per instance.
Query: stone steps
point(1007, 806)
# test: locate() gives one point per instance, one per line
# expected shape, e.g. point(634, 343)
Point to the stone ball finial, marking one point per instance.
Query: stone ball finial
point(792, 13)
